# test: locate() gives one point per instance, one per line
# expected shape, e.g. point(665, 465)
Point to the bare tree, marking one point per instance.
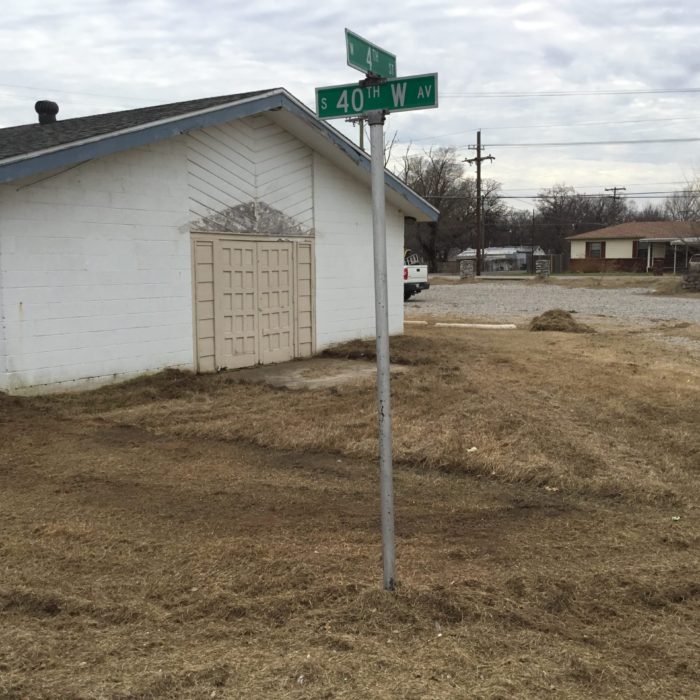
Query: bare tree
point(511, 227)
point(495, 213)
point(684, 205)
point(438, 175)
point(650, 212)
point(389, 144)
point(562, 212)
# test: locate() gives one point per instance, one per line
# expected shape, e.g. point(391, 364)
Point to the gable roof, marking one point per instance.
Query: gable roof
point(29, 138)
point(31, 149)
point(639, 230)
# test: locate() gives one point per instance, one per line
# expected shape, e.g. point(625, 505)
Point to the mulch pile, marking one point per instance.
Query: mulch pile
point(558, 320)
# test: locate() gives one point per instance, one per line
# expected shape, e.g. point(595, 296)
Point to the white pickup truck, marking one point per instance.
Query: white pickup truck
point(415, 276)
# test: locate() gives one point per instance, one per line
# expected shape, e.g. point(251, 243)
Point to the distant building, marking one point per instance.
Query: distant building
point(504, 258)
point(636, 246)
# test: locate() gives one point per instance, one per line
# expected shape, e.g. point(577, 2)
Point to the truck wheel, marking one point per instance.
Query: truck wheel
point(406, 296)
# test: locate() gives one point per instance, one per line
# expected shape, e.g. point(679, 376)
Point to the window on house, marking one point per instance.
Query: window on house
point(595, 249)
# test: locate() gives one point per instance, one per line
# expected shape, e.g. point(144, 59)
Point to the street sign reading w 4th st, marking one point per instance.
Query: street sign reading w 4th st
point(399, 94)
point(369, 58)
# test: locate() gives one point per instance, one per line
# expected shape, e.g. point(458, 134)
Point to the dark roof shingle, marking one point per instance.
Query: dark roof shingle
point(29, 138)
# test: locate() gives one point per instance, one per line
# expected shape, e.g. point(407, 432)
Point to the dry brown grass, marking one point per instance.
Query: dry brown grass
point(665, 285)
point(576, 412)
point(588, 281)
point(672, 286)
point(192, 537)
point(601, 281)
point(438, 281)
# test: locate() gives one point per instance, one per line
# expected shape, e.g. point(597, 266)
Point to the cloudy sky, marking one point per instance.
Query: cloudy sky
point(535, 72)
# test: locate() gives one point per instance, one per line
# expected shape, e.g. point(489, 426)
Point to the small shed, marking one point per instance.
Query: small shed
point(209, 234)
point(504, 258)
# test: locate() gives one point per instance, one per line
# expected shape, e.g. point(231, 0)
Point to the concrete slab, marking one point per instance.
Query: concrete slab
point(314, 373)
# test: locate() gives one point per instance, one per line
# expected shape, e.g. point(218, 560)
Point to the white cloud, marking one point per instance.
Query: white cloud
point(102, 55)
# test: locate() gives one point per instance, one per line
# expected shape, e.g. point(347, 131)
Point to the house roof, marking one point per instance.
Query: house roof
point(35, 148)
point(29, 138)
point(638, 230)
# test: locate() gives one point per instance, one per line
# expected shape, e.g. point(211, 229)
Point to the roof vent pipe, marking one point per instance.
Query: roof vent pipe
point(47, 111)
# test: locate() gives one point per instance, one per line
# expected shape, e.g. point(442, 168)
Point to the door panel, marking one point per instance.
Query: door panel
point(235, 289)
point(303, 299)
point(203, 254)
point(275, 295)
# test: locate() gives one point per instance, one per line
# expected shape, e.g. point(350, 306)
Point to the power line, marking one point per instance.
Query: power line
point(550, 93)
point(621, 142)
point(518, 199)
point(586, 195)
point(591, 196)
point(607, 123)
point(554, 126)
point(583, 187)
point(72, 92)
point(571, 93)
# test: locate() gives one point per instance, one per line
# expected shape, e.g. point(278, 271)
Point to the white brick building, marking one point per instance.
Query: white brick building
point(203, 235)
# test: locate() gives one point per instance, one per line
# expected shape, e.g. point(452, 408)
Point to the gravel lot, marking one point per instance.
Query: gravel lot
point(517, 300)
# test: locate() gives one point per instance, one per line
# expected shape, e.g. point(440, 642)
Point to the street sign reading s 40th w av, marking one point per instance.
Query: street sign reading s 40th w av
point(368, 57)
point(399, 94)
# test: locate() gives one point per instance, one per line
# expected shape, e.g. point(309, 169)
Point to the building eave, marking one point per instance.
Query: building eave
point(67, 155)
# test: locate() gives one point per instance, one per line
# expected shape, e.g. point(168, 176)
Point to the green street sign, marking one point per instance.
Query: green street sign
point(369, 58)
point(397, 95)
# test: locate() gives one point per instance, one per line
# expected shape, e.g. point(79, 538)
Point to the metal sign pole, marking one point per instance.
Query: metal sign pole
point(381, 308)
point(381, 92)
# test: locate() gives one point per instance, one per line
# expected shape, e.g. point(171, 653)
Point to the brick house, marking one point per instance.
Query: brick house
point(636, 246)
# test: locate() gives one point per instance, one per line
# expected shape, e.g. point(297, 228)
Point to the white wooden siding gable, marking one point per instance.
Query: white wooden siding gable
point(250, 176)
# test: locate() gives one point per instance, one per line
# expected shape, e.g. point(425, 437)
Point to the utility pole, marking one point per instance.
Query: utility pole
point(615, 190)
point(360, 121)
point(479, 219)
point(532, 245)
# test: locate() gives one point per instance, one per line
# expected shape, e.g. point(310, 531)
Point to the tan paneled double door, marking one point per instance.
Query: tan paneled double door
point(256, 299)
